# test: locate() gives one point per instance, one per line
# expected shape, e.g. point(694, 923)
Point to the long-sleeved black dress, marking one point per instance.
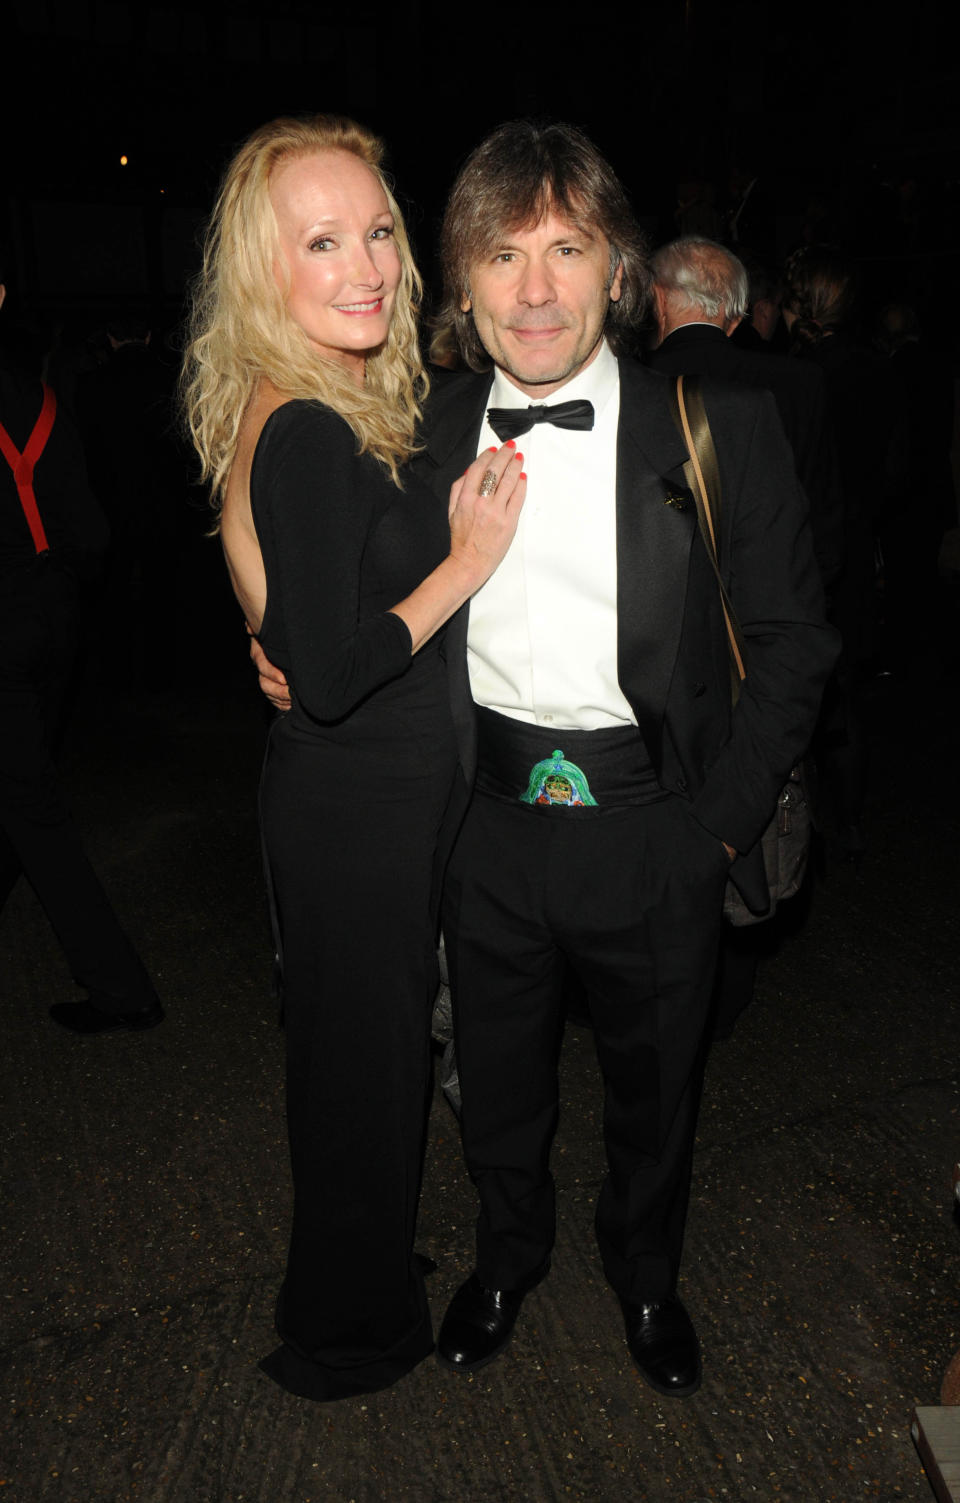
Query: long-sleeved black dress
point(355, 784)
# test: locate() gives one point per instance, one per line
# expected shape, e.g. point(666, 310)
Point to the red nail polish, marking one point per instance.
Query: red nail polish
point(492, 449)
point(523, 474)
point(519, 457)
point(511, 443)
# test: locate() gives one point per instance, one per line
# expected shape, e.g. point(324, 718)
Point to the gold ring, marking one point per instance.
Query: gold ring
point(488, 484)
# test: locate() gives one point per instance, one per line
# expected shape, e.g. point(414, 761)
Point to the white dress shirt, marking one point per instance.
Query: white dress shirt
point(542, 639)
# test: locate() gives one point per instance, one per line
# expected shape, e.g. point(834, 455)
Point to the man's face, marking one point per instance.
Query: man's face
point(540, 300)
point(765, 316)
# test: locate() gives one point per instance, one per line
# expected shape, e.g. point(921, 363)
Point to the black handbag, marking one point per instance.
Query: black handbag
point(785, 842)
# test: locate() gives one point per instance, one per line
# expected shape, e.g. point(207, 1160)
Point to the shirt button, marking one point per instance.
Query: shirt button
point(548, 720)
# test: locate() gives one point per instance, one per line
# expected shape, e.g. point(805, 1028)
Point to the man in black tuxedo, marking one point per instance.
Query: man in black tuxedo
point(700, 294)
point(615, 789)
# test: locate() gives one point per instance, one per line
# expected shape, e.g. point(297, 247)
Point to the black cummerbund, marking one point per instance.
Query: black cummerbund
point(561, 770)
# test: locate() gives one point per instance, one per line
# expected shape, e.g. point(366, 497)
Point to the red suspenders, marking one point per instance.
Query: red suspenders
point(23, 465)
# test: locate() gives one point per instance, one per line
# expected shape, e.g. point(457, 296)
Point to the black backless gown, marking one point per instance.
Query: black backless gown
point(356, 781)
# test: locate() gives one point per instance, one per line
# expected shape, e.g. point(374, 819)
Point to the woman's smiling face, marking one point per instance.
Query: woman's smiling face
point(340, 266)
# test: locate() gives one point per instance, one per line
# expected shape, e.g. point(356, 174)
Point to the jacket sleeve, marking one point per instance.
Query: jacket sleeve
point(768, 564)
point(315, 507)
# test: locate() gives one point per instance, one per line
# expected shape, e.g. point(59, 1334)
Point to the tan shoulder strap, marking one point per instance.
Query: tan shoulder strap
point(702, 473)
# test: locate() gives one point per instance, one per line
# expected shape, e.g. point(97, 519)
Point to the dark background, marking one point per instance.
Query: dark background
point(145, 1210)
point(851, 121)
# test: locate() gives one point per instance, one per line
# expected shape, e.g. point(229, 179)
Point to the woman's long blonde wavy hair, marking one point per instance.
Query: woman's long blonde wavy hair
point(240, 332)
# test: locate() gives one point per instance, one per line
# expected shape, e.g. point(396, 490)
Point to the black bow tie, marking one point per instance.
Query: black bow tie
point(510, 422)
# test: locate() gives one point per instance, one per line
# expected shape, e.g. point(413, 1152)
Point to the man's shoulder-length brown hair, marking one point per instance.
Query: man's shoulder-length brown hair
point(521, 172)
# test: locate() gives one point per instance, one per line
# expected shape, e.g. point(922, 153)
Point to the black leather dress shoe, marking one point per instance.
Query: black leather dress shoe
point(83, 1017)
point(664, 1345)
point(480, 1321)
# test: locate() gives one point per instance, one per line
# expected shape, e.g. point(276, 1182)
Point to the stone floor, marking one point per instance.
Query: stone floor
point(146, 1194)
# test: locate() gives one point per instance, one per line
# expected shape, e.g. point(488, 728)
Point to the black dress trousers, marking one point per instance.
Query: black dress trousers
point(631, 898)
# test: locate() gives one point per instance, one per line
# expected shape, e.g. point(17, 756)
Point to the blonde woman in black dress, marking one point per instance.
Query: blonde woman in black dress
point(303, 388)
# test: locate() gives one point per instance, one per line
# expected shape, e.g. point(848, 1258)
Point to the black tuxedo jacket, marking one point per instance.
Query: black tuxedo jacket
point(674, 662)
point(799, 391)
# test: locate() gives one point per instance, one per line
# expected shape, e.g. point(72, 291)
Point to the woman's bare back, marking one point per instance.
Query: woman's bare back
point(238, 534)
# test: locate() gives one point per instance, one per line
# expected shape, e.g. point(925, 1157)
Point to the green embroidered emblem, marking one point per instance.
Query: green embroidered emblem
point(555, 781)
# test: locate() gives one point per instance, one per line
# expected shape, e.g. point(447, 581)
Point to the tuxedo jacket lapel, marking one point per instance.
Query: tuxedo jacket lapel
point(450, 434)
point(656, 524)
point(452, 422)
